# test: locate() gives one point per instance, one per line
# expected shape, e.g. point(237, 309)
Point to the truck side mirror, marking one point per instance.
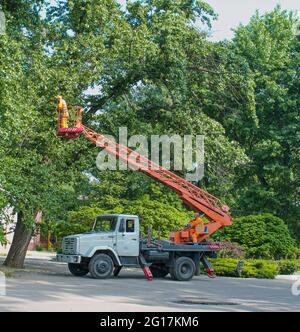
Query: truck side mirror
point(122, 226)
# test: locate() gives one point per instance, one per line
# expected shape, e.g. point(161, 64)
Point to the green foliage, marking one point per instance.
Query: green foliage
point(2, 236)
point(77, 222)
point(269, 48)
point(255, 268)
point(153, 213)
point(261, 269)
point(158, 215)
point(286, 267)
point(263, 236)
point(39, 248)
point(38, 171)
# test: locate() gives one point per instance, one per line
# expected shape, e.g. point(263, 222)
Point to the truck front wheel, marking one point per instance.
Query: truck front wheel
point(101, 266)
point(183, 269)
point(78, 270)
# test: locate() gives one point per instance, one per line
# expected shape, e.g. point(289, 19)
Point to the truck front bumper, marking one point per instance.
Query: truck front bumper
point(68, 258)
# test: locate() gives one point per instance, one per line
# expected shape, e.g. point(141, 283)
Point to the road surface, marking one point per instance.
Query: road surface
point(48, 286)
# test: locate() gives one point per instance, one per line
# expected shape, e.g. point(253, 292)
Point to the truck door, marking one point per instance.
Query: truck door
point(128, 237)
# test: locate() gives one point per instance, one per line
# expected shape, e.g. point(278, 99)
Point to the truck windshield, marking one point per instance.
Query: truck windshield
point(105, 224)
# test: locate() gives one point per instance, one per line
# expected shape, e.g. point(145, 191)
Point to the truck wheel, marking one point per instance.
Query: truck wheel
point(78, 270)
point(158, 271)
point(184, 269)
point(101, 266)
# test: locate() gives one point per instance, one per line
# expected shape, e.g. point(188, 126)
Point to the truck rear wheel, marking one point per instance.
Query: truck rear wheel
point(183, 269)
point(78, 270)
point(158, 271)
point(101, 266)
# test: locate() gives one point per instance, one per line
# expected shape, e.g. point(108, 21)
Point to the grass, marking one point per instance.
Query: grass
point(8, 271)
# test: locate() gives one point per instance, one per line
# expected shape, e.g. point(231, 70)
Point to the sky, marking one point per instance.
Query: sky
point(233, 12)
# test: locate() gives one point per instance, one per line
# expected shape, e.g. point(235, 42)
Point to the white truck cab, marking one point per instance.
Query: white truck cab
point(117, 234)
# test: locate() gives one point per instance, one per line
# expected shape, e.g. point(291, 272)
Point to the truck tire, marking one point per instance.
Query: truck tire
point(101, 266)
point(158, 271)
point(183, 270)
point(78, 270)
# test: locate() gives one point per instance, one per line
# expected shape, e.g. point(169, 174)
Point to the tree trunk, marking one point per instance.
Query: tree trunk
point(18, 249)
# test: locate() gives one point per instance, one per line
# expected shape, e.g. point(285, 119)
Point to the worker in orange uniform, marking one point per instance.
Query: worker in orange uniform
point(196, 227)
point(63, 111)
point(78, 114)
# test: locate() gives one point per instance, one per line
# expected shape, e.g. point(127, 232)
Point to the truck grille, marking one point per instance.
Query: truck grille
point(69, 246)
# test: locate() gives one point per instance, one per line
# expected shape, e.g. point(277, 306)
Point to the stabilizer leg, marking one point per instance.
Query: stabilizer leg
point(209, 270)
point(145, 268)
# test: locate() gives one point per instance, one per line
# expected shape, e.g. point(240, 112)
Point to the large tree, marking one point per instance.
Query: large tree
point(38, 171)
point(267, 51)
point(152, 69)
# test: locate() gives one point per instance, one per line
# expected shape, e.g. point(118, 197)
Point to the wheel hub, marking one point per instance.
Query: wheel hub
point(102, 267)
point(185, 269)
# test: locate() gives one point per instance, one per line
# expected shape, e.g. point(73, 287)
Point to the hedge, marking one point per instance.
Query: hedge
point(286, 267)
point(258, 268)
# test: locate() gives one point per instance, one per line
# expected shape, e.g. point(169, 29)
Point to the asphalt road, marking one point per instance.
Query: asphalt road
point(48, 286)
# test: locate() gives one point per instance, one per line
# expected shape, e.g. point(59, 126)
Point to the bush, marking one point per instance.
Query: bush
point(225, 267)
point(39, 248)
point(258, 268)
point(263, 236)
point(286, 267)
point(262, 269)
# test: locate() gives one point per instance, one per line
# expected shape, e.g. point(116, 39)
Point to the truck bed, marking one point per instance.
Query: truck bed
point(167, 246)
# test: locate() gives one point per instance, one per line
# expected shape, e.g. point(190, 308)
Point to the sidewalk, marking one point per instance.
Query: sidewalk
point(295, 276)
point(34, 254)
